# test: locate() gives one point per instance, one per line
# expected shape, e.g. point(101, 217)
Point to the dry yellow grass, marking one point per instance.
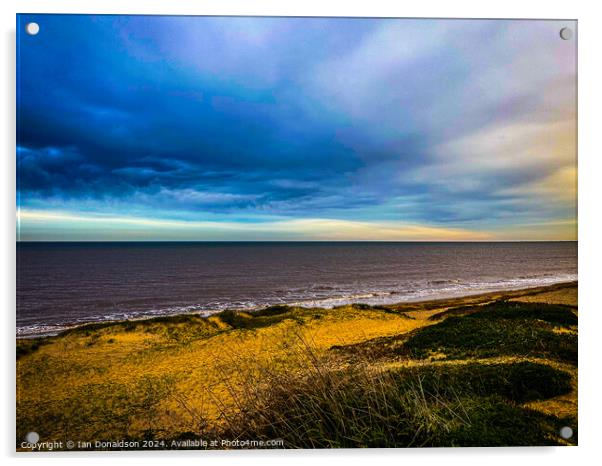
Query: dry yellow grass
point(203, 371)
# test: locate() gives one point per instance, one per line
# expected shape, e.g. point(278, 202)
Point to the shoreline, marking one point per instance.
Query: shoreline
point(422, 305)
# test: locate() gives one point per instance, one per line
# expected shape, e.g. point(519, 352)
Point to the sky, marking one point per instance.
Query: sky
point(215, 128)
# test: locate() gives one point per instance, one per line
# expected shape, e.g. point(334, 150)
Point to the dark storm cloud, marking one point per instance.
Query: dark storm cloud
point(149, 124)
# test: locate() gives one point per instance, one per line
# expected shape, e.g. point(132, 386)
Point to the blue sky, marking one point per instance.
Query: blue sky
point(208, 128)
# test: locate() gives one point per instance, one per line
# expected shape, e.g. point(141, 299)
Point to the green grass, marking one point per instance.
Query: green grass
point(239, 320)
point(492, 422)
point(268, 316)
point(500, 329)
point(553, 314)
point(518, 382)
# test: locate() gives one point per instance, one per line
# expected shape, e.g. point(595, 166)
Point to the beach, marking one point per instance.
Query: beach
point(191, 376)
point(63, 285)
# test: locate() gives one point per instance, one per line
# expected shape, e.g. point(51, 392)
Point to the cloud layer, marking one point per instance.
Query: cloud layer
point(290, 128)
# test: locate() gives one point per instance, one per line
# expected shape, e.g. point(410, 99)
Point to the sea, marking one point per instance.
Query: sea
point(64, 284)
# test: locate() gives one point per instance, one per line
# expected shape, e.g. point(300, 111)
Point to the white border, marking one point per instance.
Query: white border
point(590, 235)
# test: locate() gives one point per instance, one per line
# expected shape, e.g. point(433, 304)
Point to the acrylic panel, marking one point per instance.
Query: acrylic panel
point(280, 232)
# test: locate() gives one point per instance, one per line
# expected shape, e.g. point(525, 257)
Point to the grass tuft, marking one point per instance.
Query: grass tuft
point(446, 405)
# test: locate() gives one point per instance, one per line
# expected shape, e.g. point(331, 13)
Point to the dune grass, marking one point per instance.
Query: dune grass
point(501, 329)
point(489, 374)
point(466, 405)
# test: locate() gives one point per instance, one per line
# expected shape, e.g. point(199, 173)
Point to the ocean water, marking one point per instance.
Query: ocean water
point(64, 284)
